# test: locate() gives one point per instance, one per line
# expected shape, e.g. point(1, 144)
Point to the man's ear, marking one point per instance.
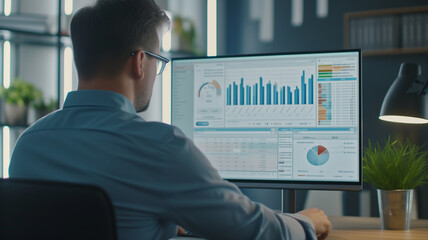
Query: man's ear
point(137, 64)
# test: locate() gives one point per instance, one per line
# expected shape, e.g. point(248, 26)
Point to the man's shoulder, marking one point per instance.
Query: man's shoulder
point(41, 123)
point(156, 130)
point(129, 125)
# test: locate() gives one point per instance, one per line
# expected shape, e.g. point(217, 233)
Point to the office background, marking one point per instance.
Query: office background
point(240, 32)
point(378, 72)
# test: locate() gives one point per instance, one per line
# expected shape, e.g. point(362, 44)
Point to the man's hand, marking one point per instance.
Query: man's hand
point(319, 219)
point(180, 231)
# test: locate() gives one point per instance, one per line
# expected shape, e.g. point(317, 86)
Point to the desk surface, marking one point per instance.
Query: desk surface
point(367, 228)
point(348, 228)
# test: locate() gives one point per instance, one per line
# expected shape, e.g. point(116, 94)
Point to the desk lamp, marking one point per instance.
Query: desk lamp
point(407, 100)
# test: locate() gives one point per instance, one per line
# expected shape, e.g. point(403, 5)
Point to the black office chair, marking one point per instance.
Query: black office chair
point(54, 210)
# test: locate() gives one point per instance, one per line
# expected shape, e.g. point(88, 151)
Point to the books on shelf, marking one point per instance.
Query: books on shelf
point(389, 31)
point(380, 32)
point(415, 30)
point(28, 23)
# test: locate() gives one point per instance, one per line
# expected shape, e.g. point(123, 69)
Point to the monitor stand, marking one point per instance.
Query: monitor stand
point(288, 206)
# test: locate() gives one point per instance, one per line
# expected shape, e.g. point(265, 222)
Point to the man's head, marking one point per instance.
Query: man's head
point(104, 36)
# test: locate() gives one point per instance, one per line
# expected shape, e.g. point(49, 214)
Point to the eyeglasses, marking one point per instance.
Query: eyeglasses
point(162, 61)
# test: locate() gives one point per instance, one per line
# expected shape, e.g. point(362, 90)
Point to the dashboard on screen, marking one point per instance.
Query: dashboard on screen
point(280, 120)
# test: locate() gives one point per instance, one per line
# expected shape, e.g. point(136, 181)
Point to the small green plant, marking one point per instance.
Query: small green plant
point(185, 29)
point(40, 105)
point(20, 93)
point(396, 165)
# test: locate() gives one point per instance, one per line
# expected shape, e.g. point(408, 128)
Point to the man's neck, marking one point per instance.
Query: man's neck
point(118, 84)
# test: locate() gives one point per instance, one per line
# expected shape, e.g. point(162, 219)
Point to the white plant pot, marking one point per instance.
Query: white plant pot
point(15, 114)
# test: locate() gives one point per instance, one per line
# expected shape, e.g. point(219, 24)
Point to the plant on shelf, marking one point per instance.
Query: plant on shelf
point(184, 35)
point(42, 108)
point(16, 99)
point(395, 169)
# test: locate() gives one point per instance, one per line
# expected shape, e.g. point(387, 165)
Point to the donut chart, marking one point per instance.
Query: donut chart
point(209, 90)
point(318, 155)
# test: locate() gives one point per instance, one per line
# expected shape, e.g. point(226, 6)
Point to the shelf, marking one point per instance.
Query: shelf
point(21, 37)
point(36, 47)
point(392, 11)
point(178, 54)
point(14, 126)
point(384, 32)
point(29, 32)
point(395, 51)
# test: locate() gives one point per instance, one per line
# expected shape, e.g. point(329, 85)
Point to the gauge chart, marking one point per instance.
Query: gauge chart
point(209, 90)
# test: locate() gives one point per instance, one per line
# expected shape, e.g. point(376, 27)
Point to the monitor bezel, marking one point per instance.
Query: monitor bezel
point(296, 184)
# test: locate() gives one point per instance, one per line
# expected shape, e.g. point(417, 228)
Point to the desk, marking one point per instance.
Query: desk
point(366, 228)
point(349, 228)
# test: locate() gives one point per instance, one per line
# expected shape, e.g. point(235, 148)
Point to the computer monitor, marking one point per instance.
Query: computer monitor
point(288, 120)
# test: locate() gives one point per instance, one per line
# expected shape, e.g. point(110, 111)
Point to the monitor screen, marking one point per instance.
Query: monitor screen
point(289, 120)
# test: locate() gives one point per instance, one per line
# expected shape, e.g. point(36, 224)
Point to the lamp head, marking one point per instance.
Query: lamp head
point(407, 100)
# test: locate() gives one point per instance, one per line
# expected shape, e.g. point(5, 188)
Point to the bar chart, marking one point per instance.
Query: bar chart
point(240, 93)
point(343, 71)
point(324, 103)
point(337, 102)
point(271, 96)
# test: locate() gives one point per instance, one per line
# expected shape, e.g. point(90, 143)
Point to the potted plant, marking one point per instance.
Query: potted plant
point(184, 35)
point(395, 169)
point(16, 100)
point(42, 108)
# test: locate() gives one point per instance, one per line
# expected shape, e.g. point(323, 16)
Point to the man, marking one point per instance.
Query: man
point(155, 176)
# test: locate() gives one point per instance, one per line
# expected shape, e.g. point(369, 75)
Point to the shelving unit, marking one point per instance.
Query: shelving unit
point(37, 57)
point(54, 66)
point(387, 31)
point(396, 51)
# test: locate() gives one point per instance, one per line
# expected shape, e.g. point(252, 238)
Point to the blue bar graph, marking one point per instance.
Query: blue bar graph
point(311, 90)
point(296, 96)
point(239, 93)
point(282, 96)
point(255, 94)
point(303, 88)
point(235, 94)
point(268, 94)
point(262, 92)
point(275, 94)
point(229, 94)
point(248, 101)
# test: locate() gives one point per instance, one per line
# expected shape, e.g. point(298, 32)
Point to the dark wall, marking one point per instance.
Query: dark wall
point(314, 34)
point(241, 37)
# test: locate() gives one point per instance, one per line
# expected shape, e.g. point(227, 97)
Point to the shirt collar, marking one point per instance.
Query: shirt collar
point(98, 98)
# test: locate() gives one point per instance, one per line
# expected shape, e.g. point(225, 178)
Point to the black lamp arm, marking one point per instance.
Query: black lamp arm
point(419, 86)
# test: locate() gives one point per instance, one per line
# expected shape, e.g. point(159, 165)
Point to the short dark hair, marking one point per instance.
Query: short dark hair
point(105, 34)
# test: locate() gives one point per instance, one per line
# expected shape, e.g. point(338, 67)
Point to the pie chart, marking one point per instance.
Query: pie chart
point(318, 155)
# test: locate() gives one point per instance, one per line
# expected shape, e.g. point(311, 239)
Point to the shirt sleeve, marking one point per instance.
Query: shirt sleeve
point(203, 203)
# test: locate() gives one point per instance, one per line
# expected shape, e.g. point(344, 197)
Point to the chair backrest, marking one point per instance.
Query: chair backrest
point(54, 210)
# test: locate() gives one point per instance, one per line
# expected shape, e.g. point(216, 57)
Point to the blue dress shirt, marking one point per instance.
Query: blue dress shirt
point(155, 176)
